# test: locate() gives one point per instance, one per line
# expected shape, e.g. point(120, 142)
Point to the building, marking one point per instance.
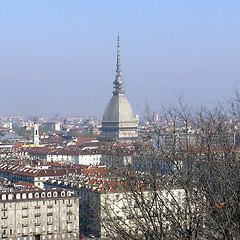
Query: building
point(66, 155)
point(37, 215)
point(118, 121)
point(16, 173)
point(105, 199)
point(36, 134)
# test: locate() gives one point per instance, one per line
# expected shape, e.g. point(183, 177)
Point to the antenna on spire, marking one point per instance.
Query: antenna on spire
point(118, 57)
point(118, 83)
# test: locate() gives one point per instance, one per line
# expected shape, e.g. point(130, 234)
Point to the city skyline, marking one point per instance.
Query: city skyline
point(60, 57)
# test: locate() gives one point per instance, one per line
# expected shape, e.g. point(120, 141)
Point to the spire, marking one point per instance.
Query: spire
point(119, 73)
point(118, 83)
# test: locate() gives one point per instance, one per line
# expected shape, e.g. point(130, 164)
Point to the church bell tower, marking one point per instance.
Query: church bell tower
point(36, 133)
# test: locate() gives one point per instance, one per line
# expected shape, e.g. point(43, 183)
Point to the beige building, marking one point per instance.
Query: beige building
point(37, 215)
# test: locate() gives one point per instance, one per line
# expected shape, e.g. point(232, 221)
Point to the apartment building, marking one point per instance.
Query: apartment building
point(82, 157)
point(16, 173)
point(39, 215)
point(105, 199)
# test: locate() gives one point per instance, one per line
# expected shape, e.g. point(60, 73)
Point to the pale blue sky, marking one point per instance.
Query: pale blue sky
point(59, 56)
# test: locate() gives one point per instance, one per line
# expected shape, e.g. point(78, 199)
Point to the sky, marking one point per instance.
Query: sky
point(59, 56)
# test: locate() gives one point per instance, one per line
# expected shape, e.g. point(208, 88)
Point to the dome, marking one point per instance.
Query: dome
point(118, 110)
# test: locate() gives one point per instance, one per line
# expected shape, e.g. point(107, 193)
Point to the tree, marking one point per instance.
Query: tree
point(187, 185)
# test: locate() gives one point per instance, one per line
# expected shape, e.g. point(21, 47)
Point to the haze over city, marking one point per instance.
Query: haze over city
point(60, 56)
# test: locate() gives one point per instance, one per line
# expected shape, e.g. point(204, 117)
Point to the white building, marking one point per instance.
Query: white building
point(36, 133)
point(37, 215)
point(58, 127)
point(88, 157)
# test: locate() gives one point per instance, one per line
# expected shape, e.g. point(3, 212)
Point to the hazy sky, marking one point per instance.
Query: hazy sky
point(59, 56)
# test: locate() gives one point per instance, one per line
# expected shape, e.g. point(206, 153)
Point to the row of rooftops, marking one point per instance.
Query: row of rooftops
point(22, 152)
point(6, 184)
point(28, 195)
point(97, 185)
point(60, 151)
point(33, 172)
point(96, 179)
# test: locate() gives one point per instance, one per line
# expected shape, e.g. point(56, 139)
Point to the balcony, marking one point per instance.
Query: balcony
point(69, 205)
point(50, 206)
point(4, 217)
point(69, 222)
point(69, 212)
point(37, 207)
point(4, 209)
point(49, 223)
point(37, 215)
point(37, 224)
point(24, 225)
point(24, 208)
point(25, 216)
point(50, 214)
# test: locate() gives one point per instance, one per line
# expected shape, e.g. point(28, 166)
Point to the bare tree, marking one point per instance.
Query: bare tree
point(182, 184)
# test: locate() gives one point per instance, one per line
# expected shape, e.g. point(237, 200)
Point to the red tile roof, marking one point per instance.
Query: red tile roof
point(32, 172)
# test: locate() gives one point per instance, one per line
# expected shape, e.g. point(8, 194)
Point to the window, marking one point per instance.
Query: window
point(10, 196)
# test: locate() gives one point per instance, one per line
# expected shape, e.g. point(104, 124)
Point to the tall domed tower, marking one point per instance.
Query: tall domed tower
point(118, 121)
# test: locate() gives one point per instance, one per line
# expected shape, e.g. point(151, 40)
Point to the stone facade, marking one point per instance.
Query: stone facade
point(37, 215)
